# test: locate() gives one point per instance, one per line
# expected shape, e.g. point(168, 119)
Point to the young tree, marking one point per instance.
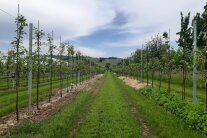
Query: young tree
point(185, 42)
point(78, 54)
point(168, 58)
point(153, 55)
point(21, 24)
point(38, 36)
point(160, 58)
point(61, 52)
point(72, 65)
point(69, 54)
point(147, 63)
point(51, 50)
point(137, 58)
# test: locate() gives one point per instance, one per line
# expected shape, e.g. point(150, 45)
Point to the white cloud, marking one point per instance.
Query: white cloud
point(3, 42)
point(70, 18)
point(76, 18)
point(92, 52)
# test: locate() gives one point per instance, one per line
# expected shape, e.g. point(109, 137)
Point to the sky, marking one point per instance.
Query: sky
point(98, 28)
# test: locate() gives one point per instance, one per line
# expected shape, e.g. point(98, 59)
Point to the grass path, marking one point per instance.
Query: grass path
point(109, 116)
point(146, 129)
point(163, 123)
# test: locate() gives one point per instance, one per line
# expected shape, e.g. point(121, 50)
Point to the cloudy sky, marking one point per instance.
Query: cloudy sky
point(98, 28)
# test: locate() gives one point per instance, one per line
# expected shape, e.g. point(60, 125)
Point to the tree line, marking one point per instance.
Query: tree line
point(159, 59)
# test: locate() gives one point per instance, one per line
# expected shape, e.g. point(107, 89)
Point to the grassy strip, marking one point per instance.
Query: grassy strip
point(109, 115)
point(23, 83)
point(11, 91)
point(164, 123)
point(7, 102)
point(58, 125)
point(8, 97)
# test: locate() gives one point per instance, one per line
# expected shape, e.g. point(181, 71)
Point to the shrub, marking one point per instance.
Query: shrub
point(194, 115)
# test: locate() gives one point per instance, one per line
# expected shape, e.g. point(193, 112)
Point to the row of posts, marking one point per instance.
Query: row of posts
point(30, 67)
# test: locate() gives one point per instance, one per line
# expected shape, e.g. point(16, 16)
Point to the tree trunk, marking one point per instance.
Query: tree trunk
point(169, 80)
point(17, 90)
point(160, 78)
point(147, 77)
point(60, 77)
point(206, 73)
point(67, 81)
point(51, 75)
point(44, 76)
point(8, 83)
point(38, 81)
point(37, 104)
point(17, 81)
point(152, 75)
point(17, 99)
point(206, 95)
point(184, 83)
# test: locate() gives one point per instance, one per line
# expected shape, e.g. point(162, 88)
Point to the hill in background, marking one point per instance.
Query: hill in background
point(100, 61)
point(103, 61)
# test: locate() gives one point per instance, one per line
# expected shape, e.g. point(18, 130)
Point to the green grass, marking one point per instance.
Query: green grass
point(177, 78)
point(23, 83)
point(176, 85)
point(177, 90)
point(109, 116)
point(58, 125)
point(8, 100)
point(106, 113)
point(164, 123)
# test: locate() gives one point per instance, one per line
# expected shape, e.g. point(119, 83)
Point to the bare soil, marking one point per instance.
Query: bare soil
point(45, 108)
point(133, 83)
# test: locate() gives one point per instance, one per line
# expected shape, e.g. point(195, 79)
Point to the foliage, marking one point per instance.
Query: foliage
point(107, 66)
point(194, 115)
point(19, 50)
